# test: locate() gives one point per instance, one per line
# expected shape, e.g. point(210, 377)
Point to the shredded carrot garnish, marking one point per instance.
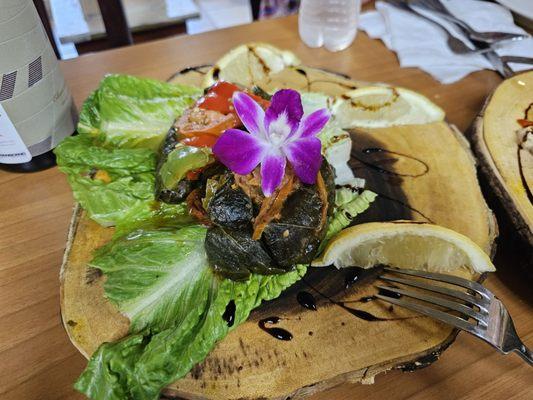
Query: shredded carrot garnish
point(524, 123)
point(323, 194)
point(271, 206)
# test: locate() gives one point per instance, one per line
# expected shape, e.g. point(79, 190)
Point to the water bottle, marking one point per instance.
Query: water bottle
point(328, 23)
point(36, 107)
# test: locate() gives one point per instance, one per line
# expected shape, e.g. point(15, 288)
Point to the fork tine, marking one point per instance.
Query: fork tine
point(439, 301)
point(431, 312)
point(482, 303)
point(454, 280)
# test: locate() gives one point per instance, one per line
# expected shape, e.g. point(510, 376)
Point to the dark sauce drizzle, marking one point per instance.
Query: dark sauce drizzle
point(406, 206)
point(197, 68)
point(380, 169)
point(229, 313)
point(383, 292)
point(306, 300)
point(520, 168)
point(309, 82)
point(353, 277)
point(522, 176)
point(278, 333)
point(528, 108)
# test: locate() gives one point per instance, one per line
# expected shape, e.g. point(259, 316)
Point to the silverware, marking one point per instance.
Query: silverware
point(484, 48)
point(456, 45)
point(517, 59)
point(499, 64)
point(481, 313)
point(437, 8)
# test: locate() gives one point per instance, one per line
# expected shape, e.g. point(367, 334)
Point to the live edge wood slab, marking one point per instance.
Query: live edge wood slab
point(329, 345)
point(505, 158)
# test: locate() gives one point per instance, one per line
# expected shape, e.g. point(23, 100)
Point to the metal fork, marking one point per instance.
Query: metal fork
point(437, 8)
point(491, 320)
point(455, 44)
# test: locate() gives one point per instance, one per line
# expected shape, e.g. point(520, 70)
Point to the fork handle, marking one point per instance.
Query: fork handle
point(525, 353)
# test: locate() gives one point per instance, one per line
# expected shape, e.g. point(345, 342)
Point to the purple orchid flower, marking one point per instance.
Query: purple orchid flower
point(276, 135)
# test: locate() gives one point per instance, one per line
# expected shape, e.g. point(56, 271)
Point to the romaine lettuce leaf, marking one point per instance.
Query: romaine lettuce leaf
point(107, 203)
point(107, 182)
point(130, 112)
point(348, 204)
point(80, 152)
point(161, 279)
point(153, 215)
point(153, 275)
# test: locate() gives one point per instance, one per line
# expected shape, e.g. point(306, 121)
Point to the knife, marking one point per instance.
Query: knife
point(499, 64)
point(517, 59)
point(492, 57)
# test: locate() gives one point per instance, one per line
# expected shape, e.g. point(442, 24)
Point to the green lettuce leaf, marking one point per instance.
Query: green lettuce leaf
point(107, 203)
point(130, 112)
point(153, 275)
point(82, 154)
point(162, 281)
point(127, 201)
point(348, 204)
point(129, 173)
point(153, 215)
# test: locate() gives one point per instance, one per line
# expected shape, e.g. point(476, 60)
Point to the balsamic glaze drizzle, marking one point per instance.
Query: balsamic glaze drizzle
point(406, 206)
point(229, 313)
point(306, 300)
point(522, 176)
point(309, 82)
point(380, 169)
point(278, 333)
point(197, 68)
point(361, 314)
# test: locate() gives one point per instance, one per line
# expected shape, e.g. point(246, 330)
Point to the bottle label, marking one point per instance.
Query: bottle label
point(12, 148)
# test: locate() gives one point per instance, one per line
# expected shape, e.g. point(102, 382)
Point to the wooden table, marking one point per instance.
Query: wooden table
point(37, 360)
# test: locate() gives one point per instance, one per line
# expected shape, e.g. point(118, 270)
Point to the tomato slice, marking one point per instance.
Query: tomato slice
point(204, 140)
point(219, 98)
point(213, 114)
point(197, 121)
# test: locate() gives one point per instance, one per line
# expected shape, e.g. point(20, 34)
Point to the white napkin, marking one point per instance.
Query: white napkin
point(420, 43)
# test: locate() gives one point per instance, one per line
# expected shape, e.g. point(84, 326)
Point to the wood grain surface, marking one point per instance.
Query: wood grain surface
point(249, 364)
point(37, 360)
point(503, 156)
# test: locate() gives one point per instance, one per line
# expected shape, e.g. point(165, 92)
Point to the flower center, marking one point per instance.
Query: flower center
point(279, 130)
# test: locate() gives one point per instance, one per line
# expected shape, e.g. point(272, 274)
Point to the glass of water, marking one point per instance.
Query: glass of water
point(328, 23)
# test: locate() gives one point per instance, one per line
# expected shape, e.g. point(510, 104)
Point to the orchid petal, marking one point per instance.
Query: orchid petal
point(250, 113)
point(305, 158)
point(312, 124)
point(240, 151)
point(286, 106)
point(272, 171)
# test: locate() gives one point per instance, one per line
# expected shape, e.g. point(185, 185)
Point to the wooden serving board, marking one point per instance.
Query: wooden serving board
point(431, 177)
point(504, 160)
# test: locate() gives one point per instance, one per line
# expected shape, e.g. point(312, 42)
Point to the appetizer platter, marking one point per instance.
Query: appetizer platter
point(209, 255)
point(503, 142)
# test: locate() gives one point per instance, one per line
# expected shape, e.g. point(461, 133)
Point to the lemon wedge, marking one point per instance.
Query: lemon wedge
point(382, 106)
point(404, 244)
point(250, 63)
